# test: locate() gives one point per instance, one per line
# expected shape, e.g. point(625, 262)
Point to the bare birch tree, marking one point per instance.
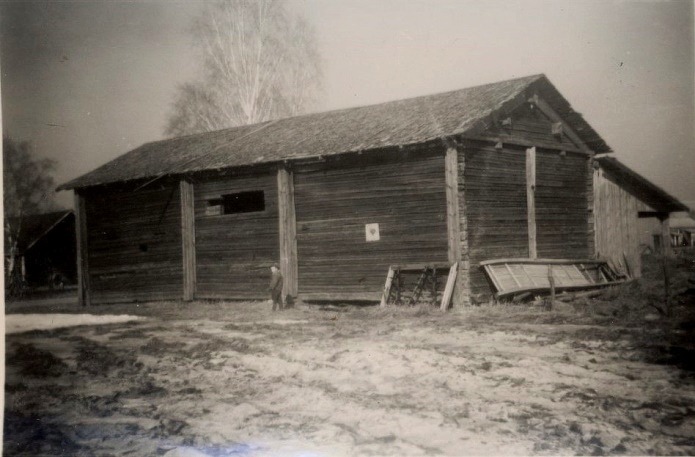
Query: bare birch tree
point(260, 62)
point(27, 189)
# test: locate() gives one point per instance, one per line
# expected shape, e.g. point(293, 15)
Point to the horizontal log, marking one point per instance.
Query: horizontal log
point(346, 296)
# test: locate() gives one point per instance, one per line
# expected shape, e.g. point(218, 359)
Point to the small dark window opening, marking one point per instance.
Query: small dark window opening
point(143, 247)
point(241, 202)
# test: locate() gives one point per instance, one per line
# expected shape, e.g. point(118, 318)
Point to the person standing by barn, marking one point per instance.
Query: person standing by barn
point(276, 287)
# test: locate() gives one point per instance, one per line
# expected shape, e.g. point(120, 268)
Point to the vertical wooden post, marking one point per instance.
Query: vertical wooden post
point(452, 206)
point(551, 282)
point(83, 289)
point(457, 240)
point(461, 294)
point(667, 286)
point(667, 251)
point(288, 233)
point(188, 239)
point(531, 201)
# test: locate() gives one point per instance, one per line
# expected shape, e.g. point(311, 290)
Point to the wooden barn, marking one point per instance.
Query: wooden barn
point(498, 170)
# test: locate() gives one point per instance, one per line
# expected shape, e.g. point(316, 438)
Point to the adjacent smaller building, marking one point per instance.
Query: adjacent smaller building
point(626, 206)
point(45, 250)
point(682, 232)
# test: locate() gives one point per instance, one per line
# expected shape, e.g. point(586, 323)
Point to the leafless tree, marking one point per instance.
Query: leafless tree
point(260, 62)
point(28, 188)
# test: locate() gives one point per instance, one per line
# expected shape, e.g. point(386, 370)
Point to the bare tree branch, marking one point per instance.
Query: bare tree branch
point(260, 63)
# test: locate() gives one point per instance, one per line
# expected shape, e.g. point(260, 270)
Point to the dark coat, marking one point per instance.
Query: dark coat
point(276, 282)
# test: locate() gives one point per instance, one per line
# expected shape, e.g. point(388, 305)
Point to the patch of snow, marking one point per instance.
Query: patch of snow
point(18, 323)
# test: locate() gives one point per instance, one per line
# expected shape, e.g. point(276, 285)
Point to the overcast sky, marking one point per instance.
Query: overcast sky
point(88, 81)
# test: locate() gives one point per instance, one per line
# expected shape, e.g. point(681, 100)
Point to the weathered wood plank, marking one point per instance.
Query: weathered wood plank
point(449, 288)
point(531, 201)
point(188, 239)
point(452, 204)
point(288, 232)
point(387, 287)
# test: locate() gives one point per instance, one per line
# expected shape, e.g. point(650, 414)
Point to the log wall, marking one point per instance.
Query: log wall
point(494, 184)
point(532, 180)
point(133, 244)
point(531, 127)
point(405, 194)
point(562, 230)
point(234, 252)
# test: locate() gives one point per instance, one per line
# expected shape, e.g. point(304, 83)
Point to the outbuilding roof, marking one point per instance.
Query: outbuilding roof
point(34, 227)
point(684, 223)
point(641, 187)
point(397, 123)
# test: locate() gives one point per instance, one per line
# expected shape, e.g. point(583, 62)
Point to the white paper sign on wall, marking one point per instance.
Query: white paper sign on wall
point(371, 232)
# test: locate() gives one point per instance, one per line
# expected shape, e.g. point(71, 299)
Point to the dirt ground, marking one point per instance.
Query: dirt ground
point(222, 379)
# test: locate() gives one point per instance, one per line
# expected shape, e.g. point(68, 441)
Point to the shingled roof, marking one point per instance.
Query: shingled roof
point(397, 123)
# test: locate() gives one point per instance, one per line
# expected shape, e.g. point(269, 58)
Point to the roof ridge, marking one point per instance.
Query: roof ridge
point(387, 124)
point(533, 78)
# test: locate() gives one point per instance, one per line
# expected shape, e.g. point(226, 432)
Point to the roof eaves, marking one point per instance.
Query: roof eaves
point(517, 94)
point(48, 230)
point(662, 199)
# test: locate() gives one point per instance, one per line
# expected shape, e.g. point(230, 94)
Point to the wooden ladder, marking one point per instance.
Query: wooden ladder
point(428, 273)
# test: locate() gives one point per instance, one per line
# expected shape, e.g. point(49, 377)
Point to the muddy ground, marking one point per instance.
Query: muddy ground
point(223, 379)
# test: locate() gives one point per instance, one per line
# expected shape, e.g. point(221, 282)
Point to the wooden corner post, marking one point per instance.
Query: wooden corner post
point(188, 239)
point(83, 289)
point(531, 201)
point(456, 233)
point(452, 206)
point(288, 233)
